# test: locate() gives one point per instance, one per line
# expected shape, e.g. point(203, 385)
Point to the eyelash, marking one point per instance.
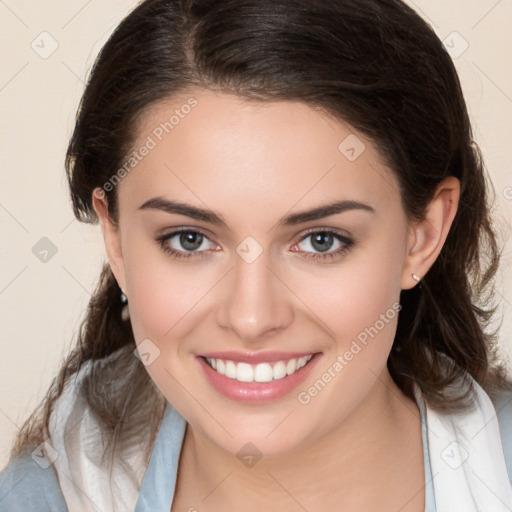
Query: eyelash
point(182, 255)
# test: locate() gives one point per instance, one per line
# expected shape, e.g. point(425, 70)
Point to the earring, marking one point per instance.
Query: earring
point(125, 314)
point(416, 278)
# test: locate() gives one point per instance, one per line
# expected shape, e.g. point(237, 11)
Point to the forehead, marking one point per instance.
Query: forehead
point(224, 150)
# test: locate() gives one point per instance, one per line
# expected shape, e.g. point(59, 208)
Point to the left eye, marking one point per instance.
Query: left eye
point(321, 241)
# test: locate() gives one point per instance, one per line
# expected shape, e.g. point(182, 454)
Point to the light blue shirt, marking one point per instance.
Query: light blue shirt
point(25, 486)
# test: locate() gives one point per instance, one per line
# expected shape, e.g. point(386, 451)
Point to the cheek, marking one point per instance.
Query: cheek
point(162, 293)
point(164, 304)
point(359, 307)
point(361, 292)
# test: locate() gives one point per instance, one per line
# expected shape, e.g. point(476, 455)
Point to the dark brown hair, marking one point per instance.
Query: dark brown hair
point(373, 63)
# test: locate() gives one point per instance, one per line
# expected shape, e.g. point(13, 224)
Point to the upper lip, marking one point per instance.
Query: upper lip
point(256, 357)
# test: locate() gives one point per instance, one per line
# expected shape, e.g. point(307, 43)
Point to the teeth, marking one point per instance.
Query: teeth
point(262, 372)
point(291, 366)
point(230, 370)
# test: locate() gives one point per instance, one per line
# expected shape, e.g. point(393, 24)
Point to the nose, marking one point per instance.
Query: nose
point(255, 302)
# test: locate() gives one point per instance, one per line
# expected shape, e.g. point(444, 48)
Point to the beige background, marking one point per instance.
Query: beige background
point(41, 304)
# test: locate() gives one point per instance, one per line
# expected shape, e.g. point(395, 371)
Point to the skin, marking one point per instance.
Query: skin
point(357, 444)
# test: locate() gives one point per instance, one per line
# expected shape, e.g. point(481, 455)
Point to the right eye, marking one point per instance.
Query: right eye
point(193, 243)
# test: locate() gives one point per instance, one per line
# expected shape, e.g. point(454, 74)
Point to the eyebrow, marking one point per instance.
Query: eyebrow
point(175, 207)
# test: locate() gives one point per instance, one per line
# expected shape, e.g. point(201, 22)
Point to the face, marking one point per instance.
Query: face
point(242, 267)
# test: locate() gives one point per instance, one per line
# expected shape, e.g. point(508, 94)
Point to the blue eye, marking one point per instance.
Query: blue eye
point(195, 244)
point(190, 240)
point(323, 241)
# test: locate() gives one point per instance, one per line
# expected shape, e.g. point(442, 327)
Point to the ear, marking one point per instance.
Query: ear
point(427, 236)
point(111, 237)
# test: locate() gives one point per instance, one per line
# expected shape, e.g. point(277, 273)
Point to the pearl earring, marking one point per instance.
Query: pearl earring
point(416, 278)
point(125, 314)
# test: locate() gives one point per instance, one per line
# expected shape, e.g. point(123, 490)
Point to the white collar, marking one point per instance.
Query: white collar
point(466, 457)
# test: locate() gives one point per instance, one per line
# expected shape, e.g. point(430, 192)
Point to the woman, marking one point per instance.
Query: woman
point(295, 307)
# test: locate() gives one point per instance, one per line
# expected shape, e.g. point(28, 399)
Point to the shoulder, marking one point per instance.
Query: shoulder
point(25, 483)
point(502, 401)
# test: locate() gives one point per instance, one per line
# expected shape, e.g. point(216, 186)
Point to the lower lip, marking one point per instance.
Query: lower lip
point(257, 392)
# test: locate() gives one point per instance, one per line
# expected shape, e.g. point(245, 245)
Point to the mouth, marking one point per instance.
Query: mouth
point(261, 382)
point(262, 372)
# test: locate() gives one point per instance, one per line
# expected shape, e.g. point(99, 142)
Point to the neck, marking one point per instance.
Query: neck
point(373, 460)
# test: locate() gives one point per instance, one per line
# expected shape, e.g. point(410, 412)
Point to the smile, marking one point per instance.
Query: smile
point(262, 372)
